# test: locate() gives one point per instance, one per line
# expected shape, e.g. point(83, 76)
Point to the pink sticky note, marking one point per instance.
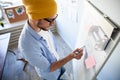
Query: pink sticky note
point(90, 62)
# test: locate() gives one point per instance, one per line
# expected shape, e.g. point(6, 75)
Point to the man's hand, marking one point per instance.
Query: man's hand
point(77, 53)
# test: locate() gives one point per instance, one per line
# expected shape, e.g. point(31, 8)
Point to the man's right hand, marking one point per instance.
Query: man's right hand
point(77, 53)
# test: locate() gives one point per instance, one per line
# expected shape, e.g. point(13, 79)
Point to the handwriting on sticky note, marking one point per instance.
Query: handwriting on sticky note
point(90, 62)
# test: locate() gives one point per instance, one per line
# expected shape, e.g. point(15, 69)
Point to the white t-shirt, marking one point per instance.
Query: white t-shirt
point(46, 35)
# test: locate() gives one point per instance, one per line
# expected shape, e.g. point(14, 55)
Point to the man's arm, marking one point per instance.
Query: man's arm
point(60, 63)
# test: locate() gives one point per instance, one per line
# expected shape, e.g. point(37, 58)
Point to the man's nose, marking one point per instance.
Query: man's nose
point(53, 23)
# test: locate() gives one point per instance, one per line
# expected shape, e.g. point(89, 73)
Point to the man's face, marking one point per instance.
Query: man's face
point(45, 23)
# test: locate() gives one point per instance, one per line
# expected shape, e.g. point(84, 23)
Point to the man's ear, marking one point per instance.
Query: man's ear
point(38, 22)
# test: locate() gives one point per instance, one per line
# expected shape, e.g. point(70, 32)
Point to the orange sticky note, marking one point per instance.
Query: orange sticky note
point(90, 62)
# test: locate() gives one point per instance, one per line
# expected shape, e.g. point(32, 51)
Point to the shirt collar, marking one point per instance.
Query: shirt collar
point(32, 32)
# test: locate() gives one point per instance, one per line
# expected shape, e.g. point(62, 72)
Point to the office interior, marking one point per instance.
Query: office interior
point(90, 23)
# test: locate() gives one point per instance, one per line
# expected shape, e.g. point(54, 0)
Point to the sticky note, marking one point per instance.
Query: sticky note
point(90, 62)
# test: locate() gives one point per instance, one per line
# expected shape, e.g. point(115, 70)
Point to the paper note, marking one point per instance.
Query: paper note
point(90, 62)
point(10, 13)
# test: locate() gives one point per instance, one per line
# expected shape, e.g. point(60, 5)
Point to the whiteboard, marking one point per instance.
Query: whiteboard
point(111, 8)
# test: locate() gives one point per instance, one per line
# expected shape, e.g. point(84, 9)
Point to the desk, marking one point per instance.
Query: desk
point(4, 41)
point(15, 30)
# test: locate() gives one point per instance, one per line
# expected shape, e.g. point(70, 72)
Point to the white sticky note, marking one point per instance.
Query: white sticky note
point(90, 62)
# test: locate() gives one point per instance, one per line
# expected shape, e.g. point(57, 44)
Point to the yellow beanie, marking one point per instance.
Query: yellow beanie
point(39, 9)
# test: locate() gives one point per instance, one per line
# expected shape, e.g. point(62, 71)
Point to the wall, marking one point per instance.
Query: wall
point(68, 21)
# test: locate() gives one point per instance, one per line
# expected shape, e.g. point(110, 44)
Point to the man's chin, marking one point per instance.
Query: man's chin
point(45, 29)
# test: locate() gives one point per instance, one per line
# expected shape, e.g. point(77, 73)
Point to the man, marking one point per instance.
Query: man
point(36, 43)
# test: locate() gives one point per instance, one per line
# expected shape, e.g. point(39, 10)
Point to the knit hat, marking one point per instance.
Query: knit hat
point(39, 9)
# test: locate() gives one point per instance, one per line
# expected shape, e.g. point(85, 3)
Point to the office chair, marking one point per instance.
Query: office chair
point(24, 61)
point(20, 59)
